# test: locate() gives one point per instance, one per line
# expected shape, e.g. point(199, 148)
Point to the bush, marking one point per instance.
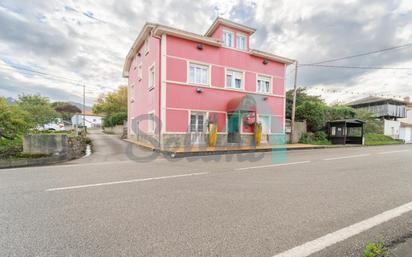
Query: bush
point(317, 138)
point(380, 139)
point(10, 148)
point(314, 113)
point(115, 119)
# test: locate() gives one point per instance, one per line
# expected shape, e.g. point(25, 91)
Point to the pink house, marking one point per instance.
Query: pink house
point(179, 82)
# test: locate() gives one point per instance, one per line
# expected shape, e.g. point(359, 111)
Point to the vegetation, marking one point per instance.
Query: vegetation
point(10, 147)
point(340, 112)
point(379, 139)
point(38, 108)
point(112, 102)
point(12, 121)
point(314, 113)
point(301, 97)
point(65, 109)
point(317, 138)
point(115, 119)
point(374, 250)
point(372, 125)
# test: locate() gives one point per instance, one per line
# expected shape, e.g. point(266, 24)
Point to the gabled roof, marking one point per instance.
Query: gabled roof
point(375, 99)
point(220, 21)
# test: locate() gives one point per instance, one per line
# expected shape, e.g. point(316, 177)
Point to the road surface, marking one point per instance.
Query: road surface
point(302, 203)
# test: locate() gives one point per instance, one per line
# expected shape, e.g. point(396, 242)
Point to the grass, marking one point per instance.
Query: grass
point(379, 139)
point(374, 250)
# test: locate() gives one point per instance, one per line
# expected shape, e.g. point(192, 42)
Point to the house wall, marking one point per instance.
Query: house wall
point(183, 97)
point(141, 100)
point(91, 121)
point(392, 128)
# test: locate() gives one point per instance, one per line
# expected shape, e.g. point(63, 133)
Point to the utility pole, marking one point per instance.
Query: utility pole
point(292, 123)
point(84, 104)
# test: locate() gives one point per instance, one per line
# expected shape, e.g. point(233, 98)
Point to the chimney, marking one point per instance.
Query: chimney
point(407, 99)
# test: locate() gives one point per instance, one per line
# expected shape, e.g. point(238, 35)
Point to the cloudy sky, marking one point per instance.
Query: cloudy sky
point(73, 42)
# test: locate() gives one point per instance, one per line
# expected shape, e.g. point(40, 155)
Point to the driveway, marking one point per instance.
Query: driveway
point(302, 203)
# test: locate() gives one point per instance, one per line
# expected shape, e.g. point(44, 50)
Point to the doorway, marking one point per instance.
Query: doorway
point(233, 133)
point(197, 128)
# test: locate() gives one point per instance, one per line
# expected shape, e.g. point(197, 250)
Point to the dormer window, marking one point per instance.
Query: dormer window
point(228, 38)
point(240, 41)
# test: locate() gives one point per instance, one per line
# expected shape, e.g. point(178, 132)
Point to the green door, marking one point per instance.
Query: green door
point(233, 135)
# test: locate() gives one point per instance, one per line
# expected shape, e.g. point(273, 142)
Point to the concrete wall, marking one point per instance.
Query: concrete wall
point(71, 147)
point(392, 128)
point(300, 129)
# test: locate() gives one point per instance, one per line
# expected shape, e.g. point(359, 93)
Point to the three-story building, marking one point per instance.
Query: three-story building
point(179, 81)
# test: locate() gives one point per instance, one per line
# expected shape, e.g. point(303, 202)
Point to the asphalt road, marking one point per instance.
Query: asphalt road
point(238, 205)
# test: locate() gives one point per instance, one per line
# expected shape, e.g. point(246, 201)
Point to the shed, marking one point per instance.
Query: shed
point(342, 132)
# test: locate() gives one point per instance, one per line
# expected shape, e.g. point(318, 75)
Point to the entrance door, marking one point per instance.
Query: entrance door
point(233, 135)
point(265, 121)
point(197, 128)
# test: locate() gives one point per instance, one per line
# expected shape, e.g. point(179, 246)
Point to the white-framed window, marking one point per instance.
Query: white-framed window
point(150, 122)
point(240, 41)
point(265, 120)
point(198, 74)
point(152, 77)
point(146, 46)
point(263, 84)
point(228, 38)
point(139, 72)
point(234, 79)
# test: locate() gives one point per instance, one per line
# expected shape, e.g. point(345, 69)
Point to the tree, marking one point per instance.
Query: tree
point(314, 114)
point(12, 120)
point(115, 119)
point(372, 125)
point(112, 102)
point(339, 112)
point(38, 108)
point(301, 97)
point(66, 110)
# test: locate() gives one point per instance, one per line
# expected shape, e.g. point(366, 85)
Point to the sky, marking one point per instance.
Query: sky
point(80, 42)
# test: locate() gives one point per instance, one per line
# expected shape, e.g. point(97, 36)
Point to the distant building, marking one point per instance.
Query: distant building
point(90, 120)
point(396, 114)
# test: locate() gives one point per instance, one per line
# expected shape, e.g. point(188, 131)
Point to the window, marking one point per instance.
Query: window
point(152, 77)
point(234, 79)
point(139, 72)
point(150, 123)
point(146, 46)
point(240, 42)
point(197, 122)
point(198, 74)
point(263, 84)
point(228, 39)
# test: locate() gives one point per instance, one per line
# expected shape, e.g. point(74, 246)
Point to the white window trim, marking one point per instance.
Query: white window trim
point(233, 38)
point(270, 84)
point(245, 37)
point(151, 132)
point(146, 46)
point(209, 72)
point(242, 85)
point(154, 77)
point(206, 117)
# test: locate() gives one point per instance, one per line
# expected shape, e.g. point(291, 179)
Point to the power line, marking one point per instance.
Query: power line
point(355, 67)
point(362, 54)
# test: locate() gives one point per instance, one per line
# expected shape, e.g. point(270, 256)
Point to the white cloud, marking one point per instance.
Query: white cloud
point(87, 41)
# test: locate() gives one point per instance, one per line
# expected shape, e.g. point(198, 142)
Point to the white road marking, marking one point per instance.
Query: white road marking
point(347, 157)
point(321, 243)
point(389, 152)
point(125, 181)
point(273, 165)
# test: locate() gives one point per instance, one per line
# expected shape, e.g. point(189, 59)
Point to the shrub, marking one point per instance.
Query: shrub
point(10, 148)
point(317, 138)
point(314, 113)
point(374, 250)
point(115, 119)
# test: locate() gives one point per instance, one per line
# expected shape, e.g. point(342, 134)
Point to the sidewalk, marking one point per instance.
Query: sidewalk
point(402, 250)
point(206, 150)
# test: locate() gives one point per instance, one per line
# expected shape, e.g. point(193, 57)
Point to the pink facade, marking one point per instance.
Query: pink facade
point(194, 80)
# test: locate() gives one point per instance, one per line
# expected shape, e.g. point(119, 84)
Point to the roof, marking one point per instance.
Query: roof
point(374, 99)
point(159, 29)
point(221, 21)
point(353, 121)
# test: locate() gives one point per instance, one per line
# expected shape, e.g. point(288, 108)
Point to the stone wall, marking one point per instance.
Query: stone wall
point(300, 129)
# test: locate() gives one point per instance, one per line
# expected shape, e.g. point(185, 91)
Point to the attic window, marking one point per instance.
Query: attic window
point(228, 38)
point(240, 41)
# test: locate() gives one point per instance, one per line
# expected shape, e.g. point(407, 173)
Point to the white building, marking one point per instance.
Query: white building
point(90, 120)
point(405, 131)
